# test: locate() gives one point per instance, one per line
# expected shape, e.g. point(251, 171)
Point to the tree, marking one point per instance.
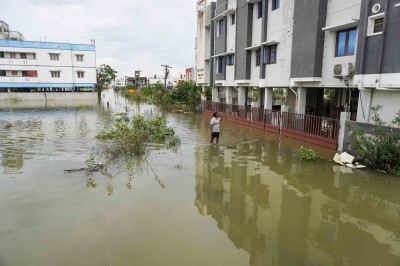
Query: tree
point(105, 75)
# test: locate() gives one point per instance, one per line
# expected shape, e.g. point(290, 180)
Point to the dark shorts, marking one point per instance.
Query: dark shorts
point(215, 135)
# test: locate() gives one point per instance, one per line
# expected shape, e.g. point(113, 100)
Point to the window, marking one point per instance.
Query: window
point(33, 56)
point(29, 73)
point(1, 54)
point(2, 73)
point(12, 55)
point(230, 59)
point(55, 74)
point(233, 19)
point(79, 57)
point(80, 74)
point(270, 54)
point(54, 57)
point(259, 9)
point(275, 4)
point(221, 27)
point(220, 68)
point(22, 55)
point(376, 24)
point(258, 56)
point(346, 42)
point(14, 73)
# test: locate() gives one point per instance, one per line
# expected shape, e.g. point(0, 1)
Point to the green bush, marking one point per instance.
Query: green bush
point(308, 154)
point(381, 149)
point(185, 97)
point(134, 135)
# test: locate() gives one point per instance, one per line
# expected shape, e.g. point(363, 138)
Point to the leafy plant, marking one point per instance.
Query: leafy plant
point(381, 148)
point(134, 135)
point(126, 144)
point(185, 97)
point(308, 154)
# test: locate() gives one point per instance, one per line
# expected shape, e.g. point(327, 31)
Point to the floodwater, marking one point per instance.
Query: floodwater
point(247, 201)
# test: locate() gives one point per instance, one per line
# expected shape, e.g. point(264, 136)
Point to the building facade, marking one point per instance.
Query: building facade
point(29, 66)
point(326, 55)
point(205, 43)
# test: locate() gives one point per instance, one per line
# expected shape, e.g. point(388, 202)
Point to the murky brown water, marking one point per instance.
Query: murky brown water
point(248, 201)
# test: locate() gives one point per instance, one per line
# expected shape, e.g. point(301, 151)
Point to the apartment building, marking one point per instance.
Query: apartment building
point(30, 66)
point(205, 43)
point(328, 56)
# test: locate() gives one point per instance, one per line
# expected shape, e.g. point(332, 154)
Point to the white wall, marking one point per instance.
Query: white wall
point(67, 64)
point(257, 26)
point(339, 12)
point(389, 100)
point(16, 98)
point(280, 29)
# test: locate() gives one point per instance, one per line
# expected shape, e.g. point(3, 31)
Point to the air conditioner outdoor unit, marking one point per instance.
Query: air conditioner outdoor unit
point(343, 70)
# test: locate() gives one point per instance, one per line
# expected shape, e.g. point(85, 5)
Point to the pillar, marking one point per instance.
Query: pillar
point(229, 95)
point(343, 119)
point(364, 105)
point(301, 100)
point(268, 95)
point(291, 100)
point(215, 94)
point(242, 96)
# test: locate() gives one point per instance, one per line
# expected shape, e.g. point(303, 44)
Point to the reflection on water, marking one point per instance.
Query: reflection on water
point(283, 211)
point(248, 201)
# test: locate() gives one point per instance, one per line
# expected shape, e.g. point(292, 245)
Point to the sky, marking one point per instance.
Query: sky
point(130, 34)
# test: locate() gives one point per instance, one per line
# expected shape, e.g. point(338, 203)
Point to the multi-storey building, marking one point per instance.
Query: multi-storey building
point(205, 43)
point(327, 55)
point(29, 66)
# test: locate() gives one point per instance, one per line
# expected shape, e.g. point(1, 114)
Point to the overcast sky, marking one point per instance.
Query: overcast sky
point(129, 34)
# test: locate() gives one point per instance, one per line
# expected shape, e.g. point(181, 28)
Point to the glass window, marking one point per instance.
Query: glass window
point(270, 54)
point(275, 4)
point(14, 73)
point(79, 57)
point(23, 55)
point(221, 27)
point(55, 74)
point(233, 19)
point(54, 57)
point(220, 65)
point(259, 9)
point(1, 54)
point(2, 73)
point(80, 74)
point(230, 60)
point(346, 42)
point(258, 56)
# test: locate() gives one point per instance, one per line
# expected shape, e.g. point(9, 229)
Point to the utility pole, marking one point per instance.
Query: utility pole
point(166, 72)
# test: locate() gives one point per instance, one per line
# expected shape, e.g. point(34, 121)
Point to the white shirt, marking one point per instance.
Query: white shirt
point(215, 124)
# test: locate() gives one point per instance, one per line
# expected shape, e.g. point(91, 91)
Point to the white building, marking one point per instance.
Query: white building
point(44, 66)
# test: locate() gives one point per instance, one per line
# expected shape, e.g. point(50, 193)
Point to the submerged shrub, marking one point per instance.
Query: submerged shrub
point(134, 135)
point(308, 154)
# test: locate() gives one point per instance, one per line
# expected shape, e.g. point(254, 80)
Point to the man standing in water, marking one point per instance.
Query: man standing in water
point(214, 125)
